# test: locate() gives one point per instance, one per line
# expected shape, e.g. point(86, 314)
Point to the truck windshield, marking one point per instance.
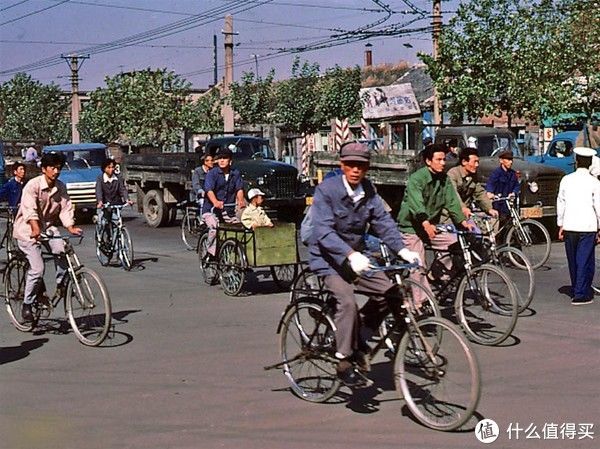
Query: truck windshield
point(248, 149)
point(493, 145)
point(84, 158)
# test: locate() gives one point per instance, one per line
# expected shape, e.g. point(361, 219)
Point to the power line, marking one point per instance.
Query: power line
point(33, 12)
point(13, 5)
point(8, 41)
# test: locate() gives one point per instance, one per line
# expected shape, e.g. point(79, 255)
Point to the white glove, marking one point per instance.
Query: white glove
point(410, 256)
point(359, 262)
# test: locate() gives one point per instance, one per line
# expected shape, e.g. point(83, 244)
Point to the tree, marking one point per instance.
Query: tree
point(30, 110)
point(339, 93)
point(205, 114)
point(253, 99)
point(148, 107)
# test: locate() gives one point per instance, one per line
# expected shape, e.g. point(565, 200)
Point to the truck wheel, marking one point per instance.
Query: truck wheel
point(155, 209)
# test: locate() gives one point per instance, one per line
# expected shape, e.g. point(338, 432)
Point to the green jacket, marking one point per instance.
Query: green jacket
point(469, 191)
point(425, 198)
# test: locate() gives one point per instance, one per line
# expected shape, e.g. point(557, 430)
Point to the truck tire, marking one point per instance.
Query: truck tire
point(155, 209)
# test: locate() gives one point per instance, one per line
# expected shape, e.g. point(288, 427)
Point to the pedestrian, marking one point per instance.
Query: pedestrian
point(453, 149)
point(224, 190)
point(254, 216)
point(578, 219)
point(11, 191)
point(45, 204)
point(31, 154)
point(344, 207)
point(198, 177)
point(503, 182)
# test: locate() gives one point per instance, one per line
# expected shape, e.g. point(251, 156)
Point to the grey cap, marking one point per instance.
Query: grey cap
point(355, 151)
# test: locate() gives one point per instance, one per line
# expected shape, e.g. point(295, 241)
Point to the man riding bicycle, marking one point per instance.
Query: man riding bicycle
point(110, 189)
point(346, 206)
point(44, 204)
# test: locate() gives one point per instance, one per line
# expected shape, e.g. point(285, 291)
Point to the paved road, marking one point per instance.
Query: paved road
point(184, 369)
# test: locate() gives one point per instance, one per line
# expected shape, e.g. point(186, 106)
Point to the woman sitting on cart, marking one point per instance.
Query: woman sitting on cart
point(223, 189)
point(254, 215)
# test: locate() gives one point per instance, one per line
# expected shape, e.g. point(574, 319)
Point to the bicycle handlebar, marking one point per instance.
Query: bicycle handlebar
point(396, 267)
point(115, 206)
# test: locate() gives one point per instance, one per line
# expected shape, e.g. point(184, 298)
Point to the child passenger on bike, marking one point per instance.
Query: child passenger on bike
point(110, 189)
point(254, 216)
point(44, 204)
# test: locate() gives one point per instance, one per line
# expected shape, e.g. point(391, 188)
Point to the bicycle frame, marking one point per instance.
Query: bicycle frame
point(515, 219)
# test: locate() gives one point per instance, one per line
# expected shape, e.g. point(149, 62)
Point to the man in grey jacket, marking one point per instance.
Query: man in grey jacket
point(346, 206)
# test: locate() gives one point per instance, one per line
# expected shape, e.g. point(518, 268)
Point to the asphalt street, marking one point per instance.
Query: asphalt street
point(183, 368)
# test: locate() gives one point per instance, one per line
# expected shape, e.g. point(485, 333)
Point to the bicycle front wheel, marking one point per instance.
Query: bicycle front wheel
point(486, 305)
point(104, 248)
point(14, 292)
point(523, 278)
point(437, 374)
point(307, 345)
point(190, 229)
point(88, 307)
point(125, 249)
point(533, 240)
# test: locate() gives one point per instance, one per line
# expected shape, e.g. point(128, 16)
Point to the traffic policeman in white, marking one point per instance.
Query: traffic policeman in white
point(578, 219)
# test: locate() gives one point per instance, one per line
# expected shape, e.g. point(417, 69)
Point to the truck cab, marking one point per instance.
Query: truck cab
point(560, 152)
point(83, 163)
point(539, 182)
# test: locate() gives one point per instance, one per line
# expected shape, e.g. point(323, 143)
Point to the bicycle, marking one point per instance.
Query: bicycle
point(85, 298)
point(113, 237)
point(503, 256)
point(192, 225)
point(432, 358)
point(8, 241)
point(528, 235)
point(486, 303)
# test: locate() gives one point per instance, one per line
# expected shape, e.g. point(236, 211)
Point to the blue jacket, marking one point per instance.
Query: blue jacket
point(340, 225)
point(503, 182)
point(224, 190)
point(11, 192)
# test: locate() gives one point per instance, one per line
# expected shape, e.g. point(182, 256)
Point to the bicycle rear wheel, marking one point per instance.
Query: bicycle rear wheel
point(307, 346)
point(88, 307)
point(523, 278)
point(190, 229)
point(208, 266)
point(436, 372)
point(125, 249)
point(486, 305)
point(306, 283)
point(14, 291)
point(534, 241)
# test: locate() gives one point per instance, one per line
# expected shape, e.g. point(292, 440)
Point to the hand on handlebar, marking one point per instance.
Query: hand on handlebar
point(410, 256)
point(219, 205)
point(359, 262)
point(468, 225)
point(430, 229)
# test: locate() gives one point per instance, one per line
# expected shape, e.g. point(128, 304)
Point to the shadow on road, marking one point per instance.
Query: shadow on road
point(13, 353)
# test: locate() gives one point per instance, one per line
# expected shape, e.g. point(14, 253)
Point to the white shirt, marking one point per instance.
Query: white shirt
point(578, 202)
point(105, 178)
point(355, 194)
point(595, 167)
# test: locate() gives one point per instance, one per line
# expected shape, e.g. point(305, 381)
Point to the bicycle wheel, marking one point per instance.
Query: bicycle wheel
point(14, 291)
point(190, 229)
point(208, 266)
point(533, 240)
point(307, 283)
point(232, 267)
point(104, 248)
point(125, 249)
point(523, 278)
point(88, 307)
point(486, 305)
point(437, 374)
point(596, 281)
point(307, 346)
point(284, 275)
point(429, 308)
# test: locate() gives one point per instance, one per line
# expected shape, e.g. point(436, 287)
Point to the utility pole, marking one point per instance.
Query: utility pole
point(74, 64)
point(216, 74)
point(226, 109)
point(255, 66)
point(437, 28)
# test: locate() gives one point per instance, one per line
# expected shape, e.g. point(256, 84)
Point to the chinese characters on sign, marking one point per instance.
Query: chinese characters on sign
point(396, 100)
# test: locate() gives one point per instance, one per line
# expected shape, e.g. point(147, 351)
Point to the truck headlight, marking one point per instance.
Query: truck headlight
point(260, 180)
point(533, 187)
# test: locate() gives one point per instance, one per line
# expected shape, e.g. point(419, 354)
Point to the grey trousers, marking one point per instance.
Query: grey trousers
point(346, 316)
point(35, 275)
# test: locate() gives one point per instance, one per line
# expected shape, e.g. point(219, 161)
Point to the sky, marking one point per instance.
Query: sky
point(127, 35)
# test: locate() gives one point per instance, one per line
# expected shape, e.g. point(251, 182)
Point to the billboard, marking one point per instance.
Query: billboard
point(397, 100)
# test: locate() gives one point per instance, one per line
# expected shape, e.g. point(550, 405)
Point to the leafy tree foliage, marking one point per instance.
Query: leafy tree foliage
point(205, 114)
point(30, 110)
point(339, 95)
point(517, 56)
point(147, 107)
point(253, 99)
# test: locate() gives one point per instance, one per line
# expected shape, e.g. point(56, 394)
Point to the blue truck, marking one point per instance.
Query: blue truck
point(83, 163)
point(560, 151)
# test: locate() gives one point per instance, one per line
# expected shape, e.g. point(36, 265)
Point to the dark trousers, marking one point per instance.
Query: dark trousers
point(580, 248)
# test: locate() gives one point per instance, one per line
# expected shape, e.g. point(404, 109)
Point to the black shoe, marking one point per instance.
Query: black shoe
point(362, 360)
point(26, 312)
point(350, 376)
point(581, 301)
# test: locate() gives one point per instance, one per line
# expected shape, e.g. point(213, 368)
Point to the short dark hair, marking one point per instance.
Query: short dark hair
point(52, 159)
point(428, 151)
point(16, 165)
point(452, 142)
point(583, 161)
point(466, 153)
point(108, 162)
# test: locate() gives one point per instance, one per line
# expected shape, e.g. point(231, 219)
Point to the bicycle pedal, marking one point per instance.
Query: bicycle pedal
point(365, 381)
